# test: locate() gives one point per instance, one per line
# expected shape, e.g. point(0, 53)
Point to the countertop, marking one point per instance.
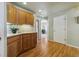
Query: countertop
point(10, 35)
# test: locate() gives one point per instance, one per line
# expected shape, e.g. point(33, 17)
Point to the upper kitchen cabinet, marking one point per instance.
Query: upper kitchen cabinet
point(18, 15)
point(21, 16)
point(30, 19)
point(11, 13)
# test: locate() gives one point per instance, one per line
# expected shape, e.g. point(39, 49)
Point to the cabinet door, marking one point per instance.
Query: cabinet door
point(30, 45)
point(21, 16)
point(14, 46)
point(25, 41)
point(34, 39)
point(12, 49)
point(30, 19)
point(19, 44)
point(11, 12)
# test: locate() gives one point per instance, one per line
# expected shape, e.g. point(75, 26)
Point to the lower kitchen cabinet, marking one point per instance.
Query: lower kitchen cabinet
point(20, 43)
point(34, 39)
point(12, 49)
point(25, 41)
point(29, 41)
point(14, 46)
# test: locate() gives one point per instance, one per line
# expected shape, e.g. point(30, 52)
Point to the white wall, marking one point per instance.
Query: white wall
point(50, 30)
point(50, 20)
point(3, 41)
point(73, 27)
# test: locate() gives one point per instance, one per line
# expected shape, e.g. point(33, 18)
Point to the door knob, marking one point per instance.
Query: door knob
point(0, 38)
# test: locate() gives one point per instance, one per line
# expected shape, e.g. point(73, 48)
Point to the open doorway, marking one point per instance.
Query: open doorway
point(44, 29)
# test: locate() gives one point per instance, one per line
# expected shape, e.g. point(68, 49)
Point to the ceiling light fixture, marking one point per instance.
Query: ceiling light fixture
point(40, 10)
point(24, 3)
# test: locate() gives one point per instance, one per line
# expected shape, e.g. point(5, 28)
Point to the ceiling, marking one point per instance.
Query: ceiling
point(47, 7)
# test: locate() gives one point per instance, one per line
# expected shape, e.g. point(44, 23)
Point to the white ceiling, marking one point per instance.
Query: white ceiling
point(51, 7)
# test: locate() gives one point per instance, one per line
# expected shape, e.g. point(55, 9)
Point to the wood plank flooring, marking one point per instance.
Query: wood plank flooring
point(46, 48)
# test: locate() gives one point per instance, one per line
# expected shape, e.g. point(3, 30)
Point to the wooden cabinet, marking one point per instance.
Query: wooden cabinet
point(18, 16)
point(25, 41)
point(34, 39)
point(30, 19)
point(25, 17)
point(11, 13)
point(21, 17)
point(29, 41)
point(14, 46)
point(12, 49)
point(20, 43)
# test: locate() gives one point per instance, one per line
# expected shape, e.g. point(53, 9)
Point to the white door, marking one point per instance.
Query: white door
point(59, 26)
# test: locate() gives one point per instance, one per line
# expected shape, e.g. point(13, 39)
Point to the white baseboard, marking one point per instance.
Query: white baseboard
point(67, 44)
point(73, 46)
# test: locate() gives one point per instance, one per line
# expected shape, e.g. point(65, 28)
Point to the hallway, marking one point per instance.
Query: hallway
point(51, 49)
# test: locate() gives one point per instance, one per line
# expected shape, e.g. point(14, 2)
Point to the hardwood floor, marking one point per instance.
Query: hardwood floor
point(46, 48)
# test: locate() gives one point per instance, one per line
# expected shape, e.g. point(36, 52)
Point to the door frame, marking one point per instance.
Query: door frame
point(38, 28)
point(3, 34)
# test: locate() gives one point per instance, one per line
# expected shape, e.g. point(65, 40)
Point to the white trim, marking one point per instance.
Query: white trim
point(56, 41)
point(73, 46)
point(5, 29)
point(48, 29)
point(3, 41)
point(66, 44)
point(34, 22)
point(51, 40)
